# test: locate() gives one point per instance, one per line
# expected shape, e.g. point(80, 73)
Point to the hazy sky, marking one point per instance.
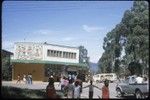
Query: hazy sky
point(71, 23)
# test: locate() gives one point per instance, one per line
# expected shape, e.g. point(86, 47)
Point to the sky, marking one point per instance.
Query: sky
point(70, 23)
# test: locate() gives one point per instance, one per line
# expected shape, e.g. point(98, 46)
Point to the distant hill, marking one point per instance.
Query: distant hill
point(93, 67)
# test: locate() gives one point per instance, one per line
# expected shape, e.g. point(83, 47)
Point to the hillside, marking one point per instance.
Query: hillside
point(93, 67)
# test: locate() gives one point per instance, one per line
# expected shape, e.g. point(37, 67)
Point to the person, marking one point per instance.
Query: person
point(65, 86)
point(91, 88)
point(66, 81)
point(139, 79)
point(30, 78)
point(145, 80)
point(70, 89)
point(62, 83)
point(73, 77)
point(80, 83)
point(18, 79)
point(24, 78)
point(76, 92)
point(105, 90)
point(50, 89)
point(69, 77)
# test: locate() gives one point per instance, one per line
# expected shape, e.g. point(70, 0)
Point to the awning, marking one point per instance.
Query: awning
point(48, 62)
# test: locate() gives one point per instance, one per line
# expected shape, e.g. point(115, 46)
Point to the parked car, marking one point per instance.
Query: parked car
point(129, 86)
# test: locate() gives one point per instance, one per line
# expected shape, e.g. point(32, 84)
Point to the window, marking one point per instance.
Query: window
point(64, 54)
point(60, 53)
point(57, 53)
point(52, 53)
point(48, 52)
point(71, 55)
point(127, 80)
point(74, 55)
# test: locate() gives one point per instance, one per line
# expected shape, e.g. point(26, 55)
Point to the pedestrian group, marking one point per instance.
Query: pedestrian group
point(27, 79)
point(72, 88)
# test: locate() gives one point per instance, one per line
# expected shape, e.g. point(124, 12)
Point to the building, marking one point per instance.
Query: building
point(43, 60)
point(6, 65)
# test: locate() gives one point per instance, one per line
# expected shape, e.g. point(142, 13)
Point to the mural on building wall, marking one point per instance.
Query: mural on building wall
point(29, 52)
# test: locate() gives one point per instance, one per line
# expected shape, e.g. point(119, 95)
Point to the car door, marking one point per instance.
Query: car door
point(132, 84)
point(124, 85)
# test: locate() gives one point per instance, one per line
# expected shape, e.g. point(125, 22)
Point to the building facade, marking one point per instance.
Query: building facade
point(43, 59)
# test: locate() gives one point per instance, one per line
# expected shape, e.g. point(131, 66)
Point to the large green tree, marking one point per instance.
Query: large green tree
point(130, 35)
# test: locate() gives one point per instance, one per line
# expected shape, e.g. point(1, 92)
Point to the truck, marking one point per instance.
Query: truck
point(129, 86)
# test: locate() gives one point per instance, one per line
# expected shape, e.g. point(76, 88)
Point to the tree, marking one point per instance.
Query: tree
point(135, 68)
point(6, 66)
point(132, 35)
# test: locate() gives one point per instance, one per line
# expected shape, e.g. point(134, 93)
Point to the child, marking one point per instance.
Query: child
point(105, 90)
point(91, 86)
point(76, 92)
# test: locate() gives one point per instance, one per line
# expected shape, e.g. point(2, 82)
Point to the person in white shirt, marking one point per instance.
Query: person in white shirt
point(139, 79)
point(76, 92)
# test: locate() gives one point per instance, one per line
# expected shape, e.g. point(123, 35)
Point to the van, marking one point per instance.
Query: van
point(101, 77)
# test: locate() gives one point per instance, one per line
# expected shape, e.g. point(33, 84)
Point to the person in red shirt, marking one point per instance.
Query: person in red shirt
point(105, 90)
point(50, 89)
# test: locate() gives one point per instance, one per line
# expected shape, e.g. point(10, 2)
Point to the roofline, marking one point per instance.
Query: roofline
point(7, 51)
point(60, 45)
point(48, 44)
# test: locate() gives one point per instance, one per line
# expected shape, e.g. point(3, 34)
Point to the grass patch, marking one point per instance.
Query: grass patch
point(13, 92)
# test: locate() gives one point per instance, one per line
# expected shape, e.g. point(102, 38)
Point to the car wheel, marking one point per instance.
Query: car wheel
point(119, 93)
point(138, 94)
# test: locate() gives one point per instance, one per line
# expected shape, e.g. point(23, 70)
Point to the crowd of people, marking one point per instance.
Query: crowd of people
point(72, 88)
point(27, 79)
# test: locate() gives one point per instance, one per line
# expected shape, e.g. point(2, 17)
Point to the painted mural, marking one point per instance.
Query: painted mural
point(29, 51)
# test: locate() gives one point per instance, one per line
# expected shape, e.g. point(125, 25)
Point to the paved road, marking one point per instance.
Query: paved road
point(84, 94)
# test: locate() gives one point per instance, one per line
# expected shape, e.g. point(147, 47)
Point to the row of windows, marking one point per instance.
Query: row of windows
point(54, 53)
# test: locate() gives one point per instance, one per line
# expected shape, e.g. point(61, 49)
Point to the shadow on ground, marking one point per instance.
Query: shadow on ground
point(13, 92)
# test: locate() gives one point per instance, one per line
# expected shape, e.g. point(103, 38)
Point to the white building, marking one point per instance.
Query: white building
point(42, 59)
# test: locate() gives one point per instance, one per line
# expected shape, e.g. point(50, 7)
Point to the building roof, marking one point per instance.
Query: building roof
point(45, 43)
point(6, 52)
point(48, 62)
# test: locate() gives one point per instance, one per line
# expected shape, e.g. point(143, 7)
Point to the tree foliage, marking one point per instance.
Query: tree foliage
point(132, 35)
